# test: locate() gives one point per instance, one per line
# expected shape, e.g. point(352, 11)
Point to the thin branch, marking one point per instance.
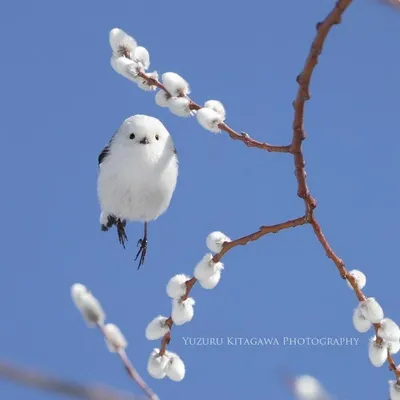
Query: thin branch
point(243, 137)
point(41, 381)
point(299, 134)
point(133, 374)
point(264, 230)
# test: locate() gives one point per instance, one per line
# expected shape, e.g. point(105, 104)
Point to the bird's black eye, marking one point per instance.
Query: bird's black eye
point(132, 136)
point(157, 137)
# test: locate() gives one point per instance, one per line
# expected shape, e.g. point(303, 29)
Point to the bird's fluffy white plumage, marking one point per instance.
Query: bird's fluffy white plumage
point(136, 181)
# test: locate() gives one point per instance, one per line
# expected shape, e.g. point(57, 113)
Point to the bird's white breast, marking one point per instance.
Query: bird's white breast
point(136, 188)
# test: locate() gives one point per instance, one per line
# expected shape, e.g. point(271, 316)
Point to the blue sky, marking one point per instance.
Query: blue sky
point(61, 101)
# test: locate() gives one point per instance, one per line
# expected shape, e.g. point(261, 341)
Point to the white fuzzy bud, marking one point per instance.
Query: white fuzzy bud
point(157, 364)
point(361, 324)
point(180, 106)
point(306, 387)
point(142, 56)
point(212, 281)
point(176, 287)
point(90, 309)
point(217, 106)
point(125, 67)
point(207, 267)
point(394, 390)
point(157, 328)
point(175, 84)
point(360, 278)
point(371, 310)
point(389, 330)
point(377, 352)
point(121, 43)
point(182, 311)
point(394, 347)
point(215, 240)
point(209, 119)
point(143, 83)
point(115, 340)
point(175, 368)
point(162, 98)
point(77, 290)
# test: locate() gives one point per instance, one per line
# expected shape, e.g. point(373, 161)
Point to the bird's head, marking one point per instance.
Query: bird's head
point(146, 136)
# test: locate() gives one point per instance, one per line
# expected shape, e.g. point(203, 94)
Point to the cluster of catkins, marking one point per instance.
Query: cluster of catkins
point(94, 315)
point(387, 340)
point(208, 274)
point(132, 61)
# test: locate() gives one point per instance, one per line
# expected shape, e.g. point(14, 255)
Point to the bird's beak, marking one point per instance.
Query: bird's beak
point(144, 140)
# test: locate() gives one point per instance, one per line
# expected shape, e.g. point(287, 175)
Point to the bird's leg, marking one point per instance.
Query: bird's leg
point(121, 231)
point(143, 247)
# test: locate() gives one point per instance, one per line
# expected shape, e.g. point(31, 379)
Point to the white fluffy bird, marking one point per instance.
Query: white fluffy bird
point(138, 171)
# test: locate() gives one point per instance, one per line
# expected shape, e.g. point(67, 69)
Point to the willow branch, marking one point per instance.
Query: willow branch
point(227, 246)
point(44, 382)
point(243, 137)
point(133, 374)
point(299, 134)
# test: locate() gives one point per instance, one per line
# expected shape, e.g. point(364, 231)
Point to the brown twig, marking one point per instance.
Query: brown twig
point(133, 374)
point(264, 230)
point(41, 381)
point(244, 137)
point(303, 95)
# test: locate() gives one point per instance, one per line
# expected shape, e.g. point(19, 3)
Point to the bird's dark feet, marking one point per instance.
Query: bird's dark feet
point(121, 232)
point(142, 251)
point(111, 220)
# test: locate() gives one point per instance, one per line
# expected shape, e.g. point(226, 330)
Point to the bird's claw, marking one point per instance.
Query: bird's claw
point(121, 233)
point(142, 251)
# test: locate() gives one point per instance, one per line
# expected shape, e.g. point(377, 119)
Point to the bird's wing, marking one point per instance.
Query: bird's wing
point(103, 155)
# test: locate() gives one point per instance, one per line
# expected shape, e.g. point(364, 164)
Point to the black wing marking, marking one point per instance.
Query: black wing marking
point(103, 155)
